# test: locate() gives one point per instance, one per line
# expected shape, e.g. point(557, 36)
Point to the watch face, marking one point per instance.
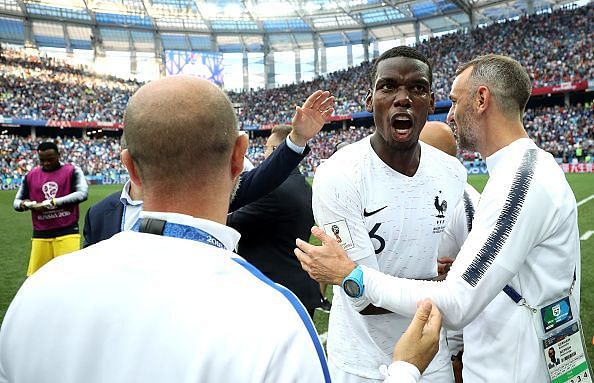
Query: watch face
point(351, 288)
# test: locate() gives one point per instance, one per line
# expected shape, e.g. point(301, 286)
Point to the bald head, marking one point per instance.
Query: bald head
point(179, 128)
point(439, 135)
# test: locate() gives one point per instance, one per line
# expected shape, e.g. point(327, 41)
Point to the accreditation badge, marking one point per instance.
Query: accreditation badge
point(563, 345)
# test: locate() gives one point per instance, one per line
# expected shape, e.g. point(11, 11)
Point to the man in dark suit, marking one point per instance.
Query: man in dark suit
point(270, 225)
point(119, 211)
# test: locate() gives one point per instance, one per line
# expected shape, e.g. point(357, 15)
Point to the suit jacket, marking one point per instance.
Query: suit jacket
point(104, 219)
point(268, 230)
point(263, 179)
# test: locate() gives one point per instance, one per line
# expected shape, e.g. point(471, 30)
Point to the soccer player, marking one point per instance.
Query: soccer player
point(524, 237)
point(168, 301)
point(386, 199)
point(52, 191)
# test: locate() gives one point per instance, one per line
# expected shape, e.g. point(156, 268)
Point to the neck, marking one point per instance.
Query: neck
point(206, 204)
point(134, 192)
point(500, 132)
point(404, 161)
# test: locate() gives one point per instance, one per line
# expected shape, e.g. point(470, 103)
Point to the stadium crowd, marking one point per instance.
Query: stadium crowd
point(43, 88)
point(36, 87)
point(97, 157)
point(565, 132)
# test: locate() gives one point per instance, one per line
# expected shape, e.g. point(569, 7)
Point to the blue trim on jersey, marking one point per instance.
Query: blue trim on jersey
point(192, 233)
point(505, 222)
point(298, 307)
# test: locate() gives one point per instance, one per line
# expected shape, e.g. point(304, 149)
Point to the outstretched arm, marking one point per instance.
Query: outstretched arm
point(503, 235)
point(307, 122)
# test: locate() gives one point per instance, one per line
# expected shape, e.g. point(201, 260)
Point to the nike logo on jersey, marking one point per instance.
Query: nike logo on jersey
point(368, 214)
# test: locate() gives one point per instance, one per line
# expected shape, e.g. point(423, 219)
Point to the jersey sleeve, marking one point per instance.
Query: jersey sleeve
point(401, 372)
point(22, 194)
point(504, 232)
point(3, 377)
point(337, 209)
point(80, 189)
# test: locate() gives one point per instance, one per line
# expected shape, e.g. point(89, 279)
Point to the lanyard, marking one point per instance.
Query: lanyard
point(122, 225)
point(519, 299)
point(175, 230)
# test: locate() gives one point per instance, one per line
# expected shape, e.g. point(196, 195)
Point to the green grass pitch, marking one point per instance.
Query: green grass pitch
point(15, 246)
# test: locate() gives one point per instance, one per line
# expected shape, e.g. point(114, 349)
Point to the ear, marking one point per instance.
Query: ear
point(369, 101)
point(432, 103)
point(131, 167)
point(483, 98)
point(239, 149)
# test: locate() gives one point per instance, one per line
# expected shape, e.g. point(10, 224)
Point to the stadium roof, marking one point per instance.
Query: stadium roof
point(242, 25)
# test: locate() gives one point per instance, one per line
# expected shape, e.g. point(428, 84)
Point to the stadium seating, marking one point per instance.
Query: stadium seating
point(40, 88)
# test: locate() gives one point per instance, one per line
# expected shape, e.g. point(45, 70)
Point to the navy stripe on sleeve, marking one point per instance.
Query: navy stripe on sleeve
point(469, 210)
point(298, 307)
point(505, 222)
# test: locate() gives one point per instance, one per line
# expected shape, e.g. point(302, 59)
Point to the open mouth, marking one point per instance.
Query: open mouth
point(402, 125)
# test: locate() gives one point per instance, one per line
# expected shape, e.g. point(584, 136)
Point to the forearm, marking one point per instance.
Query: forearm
point(458, 301)
point(80, 193)
point(263, 179)
point(21, 195)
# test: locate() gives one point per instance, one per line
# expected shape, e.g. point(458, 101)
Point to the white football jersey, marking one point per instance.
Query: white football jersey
point(146, 308)
point(390, 222)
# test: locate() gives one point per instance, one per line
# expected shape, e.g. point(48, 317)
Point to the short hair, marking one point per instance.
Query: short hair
point(179, 129)
point(401, 51)
point(506, 79)
point(47, 145)
point(282, 131)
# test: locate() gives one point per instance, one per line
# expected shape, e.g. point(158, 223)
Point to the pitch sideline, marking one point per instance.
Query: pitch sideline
point(585, 200)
